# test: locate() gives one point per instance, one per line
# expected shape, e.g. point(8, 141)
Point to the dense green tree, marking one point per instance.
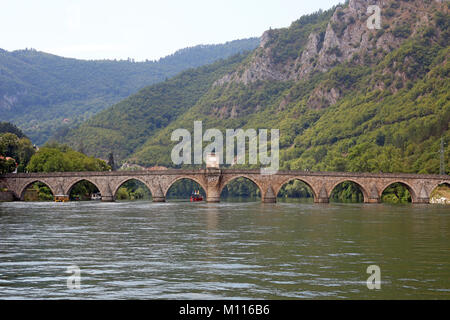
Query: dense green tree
point(396, 193)
point(82, 191)
point(60, 158)
point(6, 127)
point(241, 188)
point(111, 161)
point(24, 153)
point(20, 149)
point(133, 190)
point(295, 189)
point(9, 144)
point(347, 192)
point(182, 189)
point(7, 166)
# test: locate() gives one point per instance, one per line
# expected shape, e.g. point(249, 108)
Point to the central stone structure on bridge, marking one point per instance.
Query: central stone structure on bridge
point(213, 180)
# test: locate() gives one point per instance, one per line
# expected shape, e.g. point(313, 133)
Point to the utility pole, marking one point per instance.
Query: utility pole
point(442, 166)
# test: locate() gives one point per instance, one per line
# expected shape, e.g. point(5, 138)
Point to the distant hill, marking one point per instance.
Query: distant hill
point(41, 92)
point(345, 97)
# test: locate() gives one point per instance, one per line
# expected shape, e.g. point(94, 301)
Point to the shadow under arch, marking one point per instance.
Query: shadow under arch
point(183, 187)
point(398, 192)
point(296, 188)
point(83, 188)
point(132, 186)
point(23, 192)
point(351, 191)
point(242, 187)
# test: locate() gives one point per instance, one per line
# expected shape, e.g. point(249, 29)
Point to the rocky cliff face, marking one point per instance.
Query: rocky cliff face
point(346, 38)
point(7, 102)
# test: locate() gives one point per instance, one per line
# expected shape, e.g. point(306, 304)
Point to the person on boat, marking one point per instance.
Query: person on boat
point(196, 196)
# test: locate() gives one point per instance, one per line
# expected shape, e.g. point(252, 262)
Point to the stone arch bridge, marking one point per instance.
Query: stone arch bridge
point(213, 181)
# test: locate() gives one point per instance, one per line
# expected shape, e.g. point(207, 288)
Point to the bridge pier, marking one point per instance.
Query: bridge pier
point(213, 198)
point(323, 196)
point(60, 198)
point(373, 195)
point(422, 200)
point(422, 197)
point(108, 198)
point(213, 179)
point(159, 199)
point(269, 196)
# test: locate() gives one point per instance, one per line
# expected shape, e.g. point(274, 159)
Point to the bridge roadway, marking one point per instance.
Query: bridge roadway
point(213, 181)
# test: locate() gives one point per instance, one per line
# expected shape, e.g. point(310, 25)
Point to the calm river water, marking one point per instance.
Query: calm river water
point(179, 250)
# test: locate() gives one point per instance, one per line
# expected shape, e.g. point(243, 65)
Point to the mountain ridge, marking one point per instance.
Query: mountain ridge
point(41, 91)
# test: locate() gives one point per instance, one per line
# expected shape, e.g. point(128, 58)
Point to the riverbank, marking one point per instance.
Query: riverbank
point(441, 195)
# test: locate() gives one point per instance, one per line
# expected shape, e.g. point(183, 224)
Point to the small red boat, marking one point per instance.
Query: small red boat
point(196, 196)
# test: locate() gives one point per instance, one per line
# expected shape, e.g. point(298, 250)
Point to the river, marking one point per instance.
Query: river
point(243, 250)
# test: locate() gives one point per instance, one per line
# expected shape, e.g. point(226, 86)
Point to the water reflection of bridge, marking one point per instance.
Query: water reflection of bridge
point(213, 181)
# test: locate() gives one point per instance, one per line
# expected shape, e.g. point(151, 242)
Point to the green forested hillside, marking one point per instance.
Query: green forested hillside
point(128, 124)
point(41, 92)
point(377, 103)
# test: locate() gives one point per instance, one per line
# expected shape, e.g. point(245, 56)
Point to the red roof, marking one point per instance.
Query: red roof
point(7, 158)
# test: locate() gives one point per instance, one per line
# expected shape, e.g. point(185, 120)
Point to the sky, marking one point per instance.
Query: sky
point(141, 30)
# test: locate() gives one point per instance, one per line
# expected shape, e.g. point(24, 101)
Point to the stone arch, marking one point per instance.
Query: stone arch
point(364, 190)
point(125, 180)
point(309, 184)
point(185, 177)
point(73, 183)
point(21, 193)
point(411, 190)
point(260, 187)
point(436, 185)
